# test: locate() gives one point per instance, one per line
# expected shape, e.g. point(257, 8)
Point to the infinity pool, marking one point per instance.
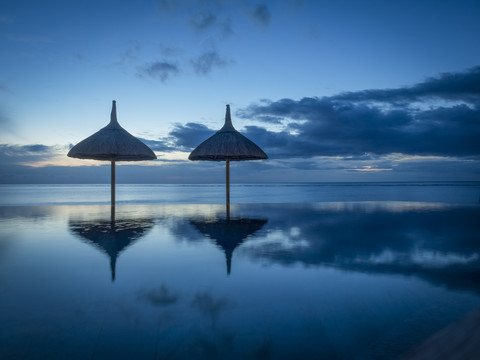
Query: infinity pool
point(333, 280)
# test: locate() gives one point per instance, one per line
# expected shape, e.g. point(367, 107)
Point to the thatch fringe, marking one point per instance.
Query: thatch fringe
point(112, 143)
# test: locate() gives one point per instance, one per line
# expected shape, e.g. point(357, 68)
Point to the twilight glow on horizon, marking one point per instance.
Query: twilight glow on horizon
point(331, 91)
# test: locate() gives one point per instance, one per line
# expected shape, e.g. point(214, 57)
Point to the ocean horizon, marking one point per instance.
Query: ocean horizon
point(461, 192)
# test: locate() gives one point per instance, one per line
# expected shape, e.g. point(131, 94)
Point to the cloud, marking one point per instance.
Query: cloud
point(207, 61)
point(444, 121)
point(261, 14)
point(37, 148)
point(226, 27)
point(207, 172)
point(161, 145)
point(190, 135)
point(18, 154)
point(463, 86)
point(202, 20)
point(369, 168)
point(164, 70)
point(161, 70)
point(200, 15)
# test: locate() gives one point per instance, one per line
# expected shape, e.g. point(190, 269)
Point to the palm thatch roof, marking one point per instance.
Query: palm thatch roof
point(227, 144)
point(112, 143)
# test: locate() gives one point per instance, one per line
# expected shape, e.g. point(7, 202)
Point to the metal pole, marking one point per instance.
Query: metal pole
point(112, 186)
point(228, 189)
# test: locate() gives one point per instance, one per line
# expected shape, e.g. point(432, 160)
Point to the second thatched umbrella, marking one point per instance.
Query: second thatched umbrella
point(112, 143)
point(227, 144)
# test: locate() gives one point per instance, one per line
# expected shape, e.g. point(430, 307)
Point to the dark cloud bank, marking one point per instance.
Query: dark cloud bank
point(440, 117)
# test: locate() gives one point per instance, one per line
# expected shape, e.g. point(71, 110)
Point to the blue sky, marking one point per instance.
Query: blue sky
point(331, 90)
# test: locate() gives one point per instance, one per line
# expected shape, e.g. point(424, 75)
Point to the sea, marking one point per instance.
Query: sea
point(442, 192)
point(290, 271)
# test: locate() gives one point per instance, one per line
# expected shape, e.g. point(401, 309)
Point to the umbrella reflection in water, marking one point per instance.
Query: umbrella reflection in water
point(111, 237)
point(228, 234)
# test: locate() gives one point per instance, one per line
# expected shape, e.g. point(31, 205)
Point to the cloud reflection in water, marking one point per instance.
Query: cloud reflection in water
point(435, 242)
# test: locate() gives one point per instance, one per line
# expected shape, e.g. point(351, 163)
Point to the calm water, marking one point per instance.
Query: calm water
point(357, 272)
point(444, 192)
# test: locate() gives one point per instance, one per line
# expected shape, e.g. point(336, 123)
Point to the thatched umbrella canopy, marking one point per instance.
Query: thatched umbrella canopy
point(112, 143)
point(228, 233)
point(227, 144)
point(111, 238)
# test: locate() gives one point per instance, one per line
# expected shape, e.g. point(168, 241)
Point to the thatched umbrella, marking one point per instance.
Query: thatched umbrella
point(228, 233)
point(227, 144)
point(112, 143)
point(111, 238)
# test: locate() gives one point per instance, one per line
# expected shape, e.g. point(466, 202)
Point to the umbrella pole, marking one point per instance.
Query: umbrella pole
point(112, 187)
point(228, 188)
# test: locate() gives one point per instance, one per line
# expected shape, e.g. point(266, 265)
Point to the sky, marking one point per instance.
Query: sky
point(331, 90)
